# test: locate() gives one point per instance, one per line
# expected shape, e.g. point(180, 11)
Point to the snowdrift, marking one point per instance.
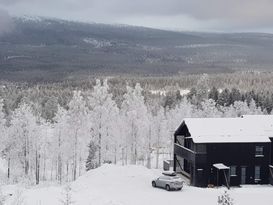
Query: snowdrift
point(131, 185)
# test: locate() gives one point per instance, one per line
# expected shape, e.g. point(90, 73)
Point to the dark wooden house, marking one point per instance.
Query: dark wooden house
point(225, 151)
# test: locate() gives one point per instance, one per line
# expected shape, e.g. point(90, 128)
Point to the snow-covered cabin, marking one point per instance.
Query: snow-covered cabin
point(225, 151)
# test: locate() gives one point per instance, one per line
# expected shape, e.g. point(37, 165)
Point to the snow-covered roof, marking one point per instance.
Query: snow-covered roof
point(228, 130)
point(220, 166)
point(266, 121)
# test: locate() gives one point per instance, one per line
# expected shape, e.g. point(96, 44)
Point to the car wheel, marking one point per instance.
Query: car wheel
point(168, 187)
point(153, 184)
point(179, 189)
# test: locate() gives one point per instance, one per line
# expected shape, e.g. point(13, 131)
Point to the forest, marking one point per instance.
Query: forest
point(57, 131)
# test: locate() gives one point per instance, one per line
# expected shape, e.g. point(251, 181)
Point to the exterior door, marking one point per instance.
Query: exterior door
point(271, 174)
point(243, 175)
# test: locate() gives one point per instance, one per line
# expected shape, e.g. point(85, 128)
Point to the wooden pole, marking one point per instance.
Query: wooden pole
point(270, 169)
point(217, 178)
point(226, 179)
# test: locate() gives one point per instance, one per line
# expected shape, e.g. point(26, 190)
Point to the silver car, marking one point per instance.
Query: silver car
point(168, 182)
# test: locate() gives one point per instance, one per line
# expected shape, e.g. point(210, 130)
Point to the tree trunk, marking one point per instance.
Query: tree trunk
point(37, 167)
point(149, 149)
point(59, 160)
point(59, 169)
point(99, 148)
point(67, 171)
point(115, 159)
point(157, 147)
point(80, 165)
point(100, 140)
point(126, 155)
point(56, 170)
point(8, 167)
point(26, 163)
point(75, 156)
point(51, 171)
point(122, 156)
point(157, 157)
point(171, 147)
point(135, 153)
point(44, 172)
point(134, 145)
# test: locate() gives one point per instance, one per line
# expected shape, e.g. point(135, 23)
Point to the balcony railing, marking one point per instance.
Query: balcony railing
point(189, 154)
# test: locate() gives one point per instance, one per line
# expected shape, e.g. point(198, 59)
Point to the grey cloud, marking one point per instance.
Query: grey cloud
point(6, 23)
point(232, 13)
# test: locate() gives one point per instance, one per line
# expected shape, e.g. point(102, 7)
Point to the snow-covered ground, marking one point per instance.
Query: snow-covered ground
point(131, 185)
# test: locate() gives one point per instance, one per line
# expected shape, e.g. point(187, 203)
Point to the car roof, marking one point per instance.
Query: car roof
point(170, 174)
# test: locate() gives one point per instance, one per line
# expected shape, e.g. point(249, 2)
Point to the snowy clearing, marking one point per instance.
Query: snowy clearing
point(131, 185)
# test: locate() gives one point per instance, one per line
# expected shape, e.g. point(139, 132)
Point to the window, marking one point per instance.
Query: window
point(259, 151)
point(257, 172)
point(164, 178)
point(233, 171)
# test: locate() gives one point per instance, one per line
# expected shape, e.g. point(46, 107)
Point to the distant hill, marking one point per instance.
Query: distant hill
point(41, 49)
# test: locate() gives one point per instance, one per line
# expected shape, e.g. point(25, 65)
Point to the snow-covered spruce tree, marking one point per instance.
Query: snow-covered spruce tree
point(235, 95)
point(224, 98)
point(103, 118)
point(225, 199)
point(242, 108)
point(209, 109)
point(213, 94)
point(202, 88)
point(91, 162)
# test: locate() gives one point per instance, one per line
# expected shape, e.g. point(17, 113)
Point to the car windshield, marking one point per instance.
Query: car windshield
point(164, 178)
point(176, 177)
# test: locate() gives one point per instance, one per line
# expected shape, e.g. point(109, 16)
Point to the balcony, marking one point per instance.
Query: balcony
point(190, 155)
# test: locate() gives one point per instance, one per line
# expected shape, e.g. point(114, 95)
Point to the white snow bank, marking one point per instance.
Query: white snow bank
point(3, 170)
point(131, 185)
point(3, 166)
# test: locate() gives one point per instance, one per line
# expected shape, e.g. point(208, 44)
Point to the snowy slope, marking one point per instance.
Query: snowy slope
point(3, 170)
point(131, 185)
point(3, 166)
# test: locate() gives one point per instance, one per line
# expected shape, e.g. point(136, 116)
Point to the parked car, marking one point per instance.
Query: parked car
point(168, 182)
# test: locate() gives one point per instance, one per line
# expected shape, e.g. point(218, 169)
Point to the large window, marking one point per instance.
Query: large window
point(233, 171)
point(259, 151)
point(257, 173)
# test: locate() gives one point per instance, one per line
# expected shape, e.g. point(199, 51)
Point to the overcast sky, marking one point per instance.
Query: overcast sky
point(191, 15)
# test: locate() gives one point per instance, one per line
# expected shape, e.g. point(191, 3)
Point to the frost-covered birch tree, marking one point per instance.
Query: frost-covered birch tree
point(4, 141)
point(77, 131)
point(104, 121)
point(135, 112)
point(161, 133)
point(23, 137)
point(61, 143)
point(3, 131)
